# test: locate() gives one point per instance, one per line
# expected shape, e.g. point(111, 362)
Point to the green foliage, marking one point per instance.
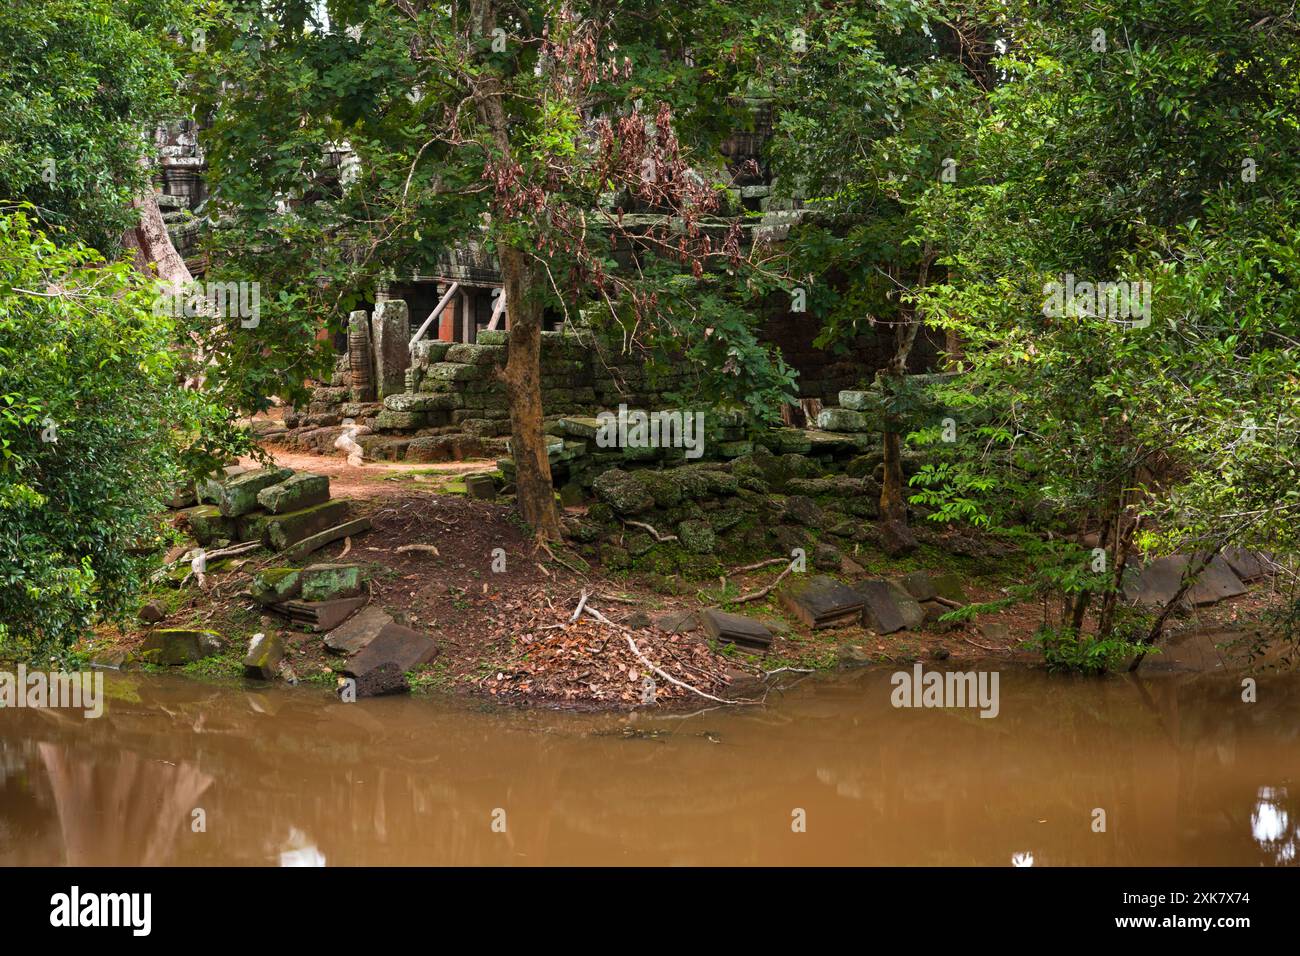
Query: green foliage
point(82, 82)
point(92, 429)
point(1067, 652)
point(1127, 163)
point(287, 87)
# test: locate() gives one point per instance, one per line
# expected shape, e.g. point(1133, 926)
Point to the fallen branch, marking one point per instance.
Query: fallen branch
point(582, 602)
point(614, 597)
point(757, 595)
point(947, 603)
point(761, 564)
point(657, 536)
point(659, 670)
point(347, 546)
point(422, 548)
point(983, 647)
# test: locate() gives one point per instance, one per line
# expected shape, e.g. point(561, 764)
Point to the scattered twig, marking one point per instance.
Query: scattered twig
point(764, 592)
point(422, 548)
point(659, 670)
point(657, 536)
point(614, 597)
point(761, 564)
point(347, 546)
point(577, 611)
point(982, 647)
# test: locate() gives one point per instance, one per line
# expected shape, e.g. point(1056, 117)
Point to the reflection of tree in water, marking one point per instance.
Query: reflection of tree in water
point(126, 810)
point(304, 780)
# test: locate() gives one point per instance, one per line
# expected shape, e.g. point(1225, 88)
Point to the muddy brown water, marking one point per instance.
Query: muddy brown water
point(1186, 772)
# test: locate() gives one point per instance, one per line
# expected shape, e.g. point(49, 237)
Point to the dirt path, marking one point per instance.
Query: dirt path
point(374, 478)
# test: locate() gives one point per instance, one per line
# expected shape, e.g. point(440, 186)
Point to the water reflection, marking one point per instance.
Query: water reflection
point(1270, 824)
point(1186, 771)
point(300, 851)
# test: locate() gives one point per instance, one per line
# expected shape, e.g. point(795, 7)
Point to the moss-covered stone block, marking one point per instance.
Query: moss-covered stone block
point(238, 495)
point(455, 372)
point(276, 585)
point(207, 523)
point(175, 646)
point(623, 491)
point(284, 530)
point(264, 656)
point(697, 537)
point(845, 420)
point(423, 402)
point(388, 420)
point(871, 401)
point(301, 491)
point(328, 582)
point(477, 354)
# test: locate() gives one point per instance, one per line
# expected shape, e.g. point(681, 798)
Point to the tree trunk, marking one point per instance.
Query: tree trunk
point(898, 539)
point(1190, 574)
point(524, 389)
point(151, 247)
point(522, 375)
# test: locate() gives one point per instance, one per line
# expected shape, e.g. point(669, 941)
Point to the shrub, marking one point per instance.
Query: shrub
point(92, 426)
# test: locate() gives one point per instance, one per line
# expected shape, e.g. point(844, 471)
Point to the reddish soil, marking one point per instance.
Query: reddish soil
point(507, 633)
point(371, 479)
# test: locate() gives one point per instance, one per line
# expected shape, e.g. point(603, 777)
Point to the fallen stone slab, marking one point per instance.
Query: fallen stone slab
point(357, 631)
point(949, 587)
point(301, 491)
point(284, 530)
point(238, 495)
point(385, 678)
point(844, 420)
point(264, 656)
point(1246, 564)
point(821, 601)
point(396, 645)
point(736, 629)
point(804, 511)
point(1156, 584)
point(676, 622)
point(919, 585)
point(881, 610)
point(579, 427)
point(327, 582)
point(276, 585)
point(1215, 583)
point(175, 646)
point(910, 609)
point(206, 490)
point(207, 523)
point(481, 487)
point(320, 540)
point(319, 615)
